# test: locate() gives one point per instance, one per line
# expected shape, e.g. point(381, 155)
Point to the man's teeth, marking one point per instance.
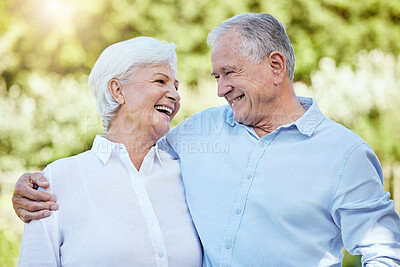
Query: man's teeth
point(237, 99)
point(163, 109)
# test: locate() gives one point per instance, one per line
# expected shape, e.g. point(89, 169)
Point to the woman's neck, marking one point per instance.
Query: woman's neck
point(137, 143)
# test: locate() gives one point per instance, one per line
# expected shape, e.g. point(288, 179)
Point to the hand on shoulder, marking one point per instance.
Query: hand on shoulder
point(30, 203)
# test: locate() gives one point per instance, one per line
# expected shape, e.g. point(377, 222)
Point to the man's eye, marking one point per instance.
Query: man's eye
point(228, 72)
point(160, 81)
point(216, 77)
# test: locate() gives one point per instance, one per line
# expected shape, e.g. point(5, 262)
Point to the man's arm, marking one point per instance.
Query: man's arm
point(362, 210)
point(30, 203)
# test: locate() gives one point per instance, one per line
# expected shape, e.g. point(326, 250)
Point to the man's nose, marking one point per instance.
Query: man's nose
point(224, 87)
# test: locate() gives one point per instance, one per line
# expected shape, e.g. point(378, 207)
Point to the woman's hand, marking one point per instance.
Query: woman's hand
point(30, 203)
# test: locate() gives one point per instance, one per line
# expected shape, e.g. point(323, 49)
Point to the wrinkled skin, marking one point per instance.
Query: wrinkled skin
point(25, 190)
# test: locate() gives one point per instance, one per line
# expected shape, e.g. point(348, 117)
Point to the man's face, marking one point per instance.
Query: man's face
point(247, 87)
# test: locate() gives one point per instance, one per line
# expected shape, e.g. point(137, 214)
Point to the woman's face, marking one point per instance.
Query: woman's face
point(151, 100)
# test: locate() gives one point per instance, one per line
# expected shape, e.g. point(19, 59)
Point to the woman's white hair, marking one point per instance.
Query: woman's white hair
point(120, 61)
point(261, 34)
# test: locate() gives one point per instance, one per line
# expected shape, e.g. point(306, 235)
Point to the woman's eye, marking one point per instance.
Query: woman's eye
point(160, 81)
point(216, 77)
point(228, 72)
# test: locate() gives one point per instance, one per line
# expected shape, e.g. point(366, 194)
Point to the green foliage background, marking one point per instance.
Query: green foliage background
point(47, 48)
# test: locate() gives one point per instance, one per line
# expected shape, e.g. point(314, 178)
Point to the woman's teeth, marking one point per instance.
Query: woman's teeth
point(163, 109)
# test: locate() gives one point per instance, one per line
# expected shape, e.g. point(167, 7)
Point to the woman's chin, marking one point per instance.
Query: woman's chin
point(161, 124)
point(161, 129)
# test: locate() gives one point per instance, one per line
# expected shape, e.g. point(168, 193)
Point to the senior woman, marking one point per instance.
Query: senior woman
point(122, 203)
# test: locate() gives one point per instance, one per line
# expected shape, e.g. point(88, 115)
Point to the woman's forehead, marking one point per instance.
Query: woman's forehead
point(161, 69)
point(148, 72)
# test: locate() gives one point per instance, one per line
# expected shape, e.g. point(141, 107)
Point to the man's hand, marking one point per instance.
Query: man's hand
point(30, 203)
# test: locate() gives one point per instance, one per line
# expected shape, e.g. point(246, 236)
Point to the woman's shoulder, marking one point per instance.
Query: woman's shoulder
point(66, 168)
point(67, 162)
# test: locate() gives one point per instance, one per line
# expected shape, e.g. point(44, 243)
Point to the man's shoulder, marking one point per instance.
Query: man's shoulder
point(221, 112)
point(335, 132)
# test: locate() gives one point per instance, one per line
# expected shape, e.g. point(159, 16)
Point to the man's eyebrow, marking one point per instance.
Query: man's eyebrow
point(229, 68)
point(224, 69)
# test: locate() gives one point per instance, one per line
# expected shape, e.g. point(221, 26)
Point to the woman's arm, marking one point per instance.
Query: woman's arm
point(40, 245)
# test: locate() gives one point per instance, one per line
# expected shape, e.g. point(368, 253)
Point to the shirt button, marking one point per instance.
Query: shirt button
point(160, 254)
point(238, 211)
point(249, 176)
point(228, 245)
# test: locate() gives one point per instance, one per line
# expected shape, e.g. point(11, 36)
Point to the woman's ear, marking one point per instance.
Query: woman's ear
point(278, 65)
point(115, 87)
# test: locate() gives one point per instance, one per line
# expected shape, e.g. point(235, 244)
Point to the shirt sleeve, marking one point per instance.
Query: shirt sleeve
point(40, 243)
point(362, 210)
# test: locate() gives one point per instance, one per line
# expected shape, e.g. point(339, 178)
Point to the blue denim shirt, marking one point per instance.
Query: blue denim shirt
point(294, 197)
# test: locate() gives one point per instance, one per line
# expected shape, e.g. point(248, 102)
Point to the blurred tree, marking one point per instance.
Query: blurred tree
point(9, 247)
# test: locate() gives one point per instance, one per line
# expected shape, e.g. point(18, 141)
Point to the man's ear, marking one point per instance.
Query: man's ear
point(115, 87)
point(278, 65)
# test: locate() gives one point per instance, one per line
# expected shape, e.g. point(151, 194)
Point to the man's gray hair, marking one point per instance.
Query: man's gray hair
point(120, 61)
point(261, 34)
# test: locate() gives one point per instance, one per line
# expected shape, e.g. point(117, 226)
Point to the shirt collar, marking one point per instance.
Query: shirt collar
point(306, 124)
point(309, 121)
point(156, 148)
point(103, 148)
point(229, 117)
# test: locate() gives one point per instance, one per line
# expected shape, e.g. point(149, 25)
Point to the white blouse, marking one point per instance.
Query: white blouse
point(110, 214)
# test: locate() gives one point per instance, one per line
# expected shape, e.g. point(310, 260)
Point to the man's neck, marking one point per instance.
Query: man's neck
point(284, 112)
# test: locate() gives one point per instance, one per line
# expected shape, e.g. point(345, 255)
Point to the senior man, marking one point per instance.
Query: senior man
point(290, 187)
